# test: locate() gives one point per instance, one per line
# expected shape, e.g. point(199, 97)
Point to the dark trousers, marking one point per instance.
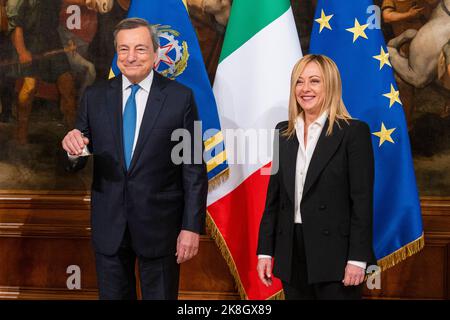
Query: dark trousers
point(299, 288)
point(159, 277)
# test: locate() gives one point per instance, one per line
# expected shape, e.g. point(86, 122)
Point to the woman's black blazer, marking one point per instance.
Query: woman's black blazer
point(336, 206)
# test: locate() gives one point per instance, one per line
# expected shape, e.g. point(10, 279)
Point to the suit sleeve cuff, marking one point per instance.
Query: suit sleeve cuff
point(360, 264)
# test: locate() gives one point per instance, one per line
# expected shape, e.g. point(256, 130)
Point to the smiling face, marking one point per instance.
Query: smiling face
point(310, 89)
point(135, 53)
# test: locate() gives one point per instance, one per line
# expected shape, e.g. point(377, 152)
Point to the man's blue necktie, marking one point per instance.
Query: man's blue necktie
point(129, 124)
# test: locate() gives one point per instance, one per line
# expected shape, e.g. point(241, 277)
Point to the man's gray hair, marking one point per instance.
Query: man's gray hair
point(133, 23)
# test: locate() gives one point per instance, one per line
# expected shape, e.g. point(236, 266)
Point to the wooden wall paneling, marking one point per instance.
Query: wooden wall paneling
point(207, 276)
point(425, 275)
point(422, 276)
point(41, 234)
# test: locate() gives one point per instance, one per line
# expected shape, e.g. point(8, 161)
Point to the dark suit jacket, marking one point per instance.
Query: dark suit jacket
point(336, 205)
point(155, 197)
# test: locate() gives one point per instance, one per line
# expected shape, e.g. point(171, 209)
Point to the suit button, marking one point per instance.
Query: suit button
point(326, 232)
point(322, 207)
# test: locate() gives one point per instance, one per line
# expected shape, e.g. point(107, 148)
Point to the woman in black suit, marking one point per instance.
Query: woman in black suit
point(317, 223)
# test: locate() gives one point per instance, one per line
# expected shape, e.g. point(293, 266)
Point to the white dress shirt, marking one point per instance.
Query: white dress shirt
point(141, 100)
point(304, 155)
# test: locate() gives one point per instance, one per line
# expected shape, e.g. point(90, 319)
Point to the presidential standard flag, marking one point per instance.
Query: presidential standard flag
point(349, 33)
point(180, 58)
point(251, 88)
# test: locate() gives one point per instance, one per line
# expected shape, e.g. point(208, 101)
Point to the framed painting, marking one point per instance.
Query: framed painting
point(42, 81)
point(38, 106)
point(421, 62)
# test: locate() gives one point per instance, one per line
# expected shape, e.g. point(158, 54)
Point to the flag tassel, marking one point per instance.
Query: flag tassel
point(402, 254)
point(218, 179)
point(215, 234)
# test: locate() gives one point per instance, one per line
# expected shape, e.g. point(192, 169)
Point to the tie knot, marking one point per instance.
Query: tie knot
point(134, 89)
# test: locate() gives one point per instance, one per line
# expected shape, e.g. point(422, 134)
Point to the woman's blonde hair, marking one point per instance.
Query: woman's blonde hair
point(332, 101)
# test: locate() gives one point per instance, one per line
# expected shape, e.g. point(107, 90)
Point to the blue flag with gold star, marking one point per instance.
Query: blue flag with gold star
point(349, 33)
point(180, 58)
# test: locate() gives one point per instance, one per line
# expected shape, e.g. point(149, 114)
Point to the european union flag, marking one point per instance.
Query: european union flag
point(180, 58)
point(349, 33)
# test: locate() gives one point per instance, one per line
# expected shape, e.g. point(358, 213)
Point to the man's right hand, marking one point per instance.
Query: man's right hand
point(74, 142)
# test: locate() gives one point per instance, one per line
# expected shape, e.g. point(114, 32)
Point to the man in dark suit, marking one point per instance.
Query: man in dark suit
point(143, 204)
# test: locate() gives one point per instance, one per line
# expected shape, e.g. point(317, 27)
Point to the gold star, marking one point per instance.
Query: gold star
point(358, 30)
point(383, 57)
point(324, 21)
point(384, 134)
point(393, 96)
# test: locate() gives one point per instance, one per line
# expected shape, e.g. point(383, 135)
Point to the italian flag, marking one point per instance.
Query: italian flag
point(251, 88)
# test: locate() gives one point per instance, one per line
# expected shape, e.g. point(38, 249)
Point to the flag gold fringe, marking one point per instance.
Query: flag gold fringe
point(214, 232)
point(218, 179)
point(401, 254)
point(277, 296)
point(385, 263)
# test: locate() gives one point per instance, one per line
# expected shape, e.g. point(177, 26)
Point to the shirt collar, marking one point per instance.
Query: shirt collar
point(144, 84)
point(320, 121)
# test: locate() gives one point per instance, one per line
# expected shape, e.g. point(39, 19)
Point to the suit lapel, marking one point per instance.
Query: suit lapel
point(290, 162)
point(114, 99)
point(325, 148)
point(154, 105)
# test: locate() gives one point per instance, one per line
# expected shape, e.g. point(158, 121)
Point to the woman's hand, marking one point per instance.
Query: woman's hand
point(264, 268)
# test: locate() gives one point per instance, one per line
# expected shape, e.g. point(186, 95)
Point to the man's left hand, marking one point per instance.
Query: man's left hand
point(354, 275)
point(187, 245)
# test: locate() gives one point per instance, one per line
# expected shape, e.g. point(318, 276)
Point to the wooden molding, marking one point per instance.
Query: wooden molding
point(44, 215)
point(435, 206)
point(30, 293)
point(41, 233)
